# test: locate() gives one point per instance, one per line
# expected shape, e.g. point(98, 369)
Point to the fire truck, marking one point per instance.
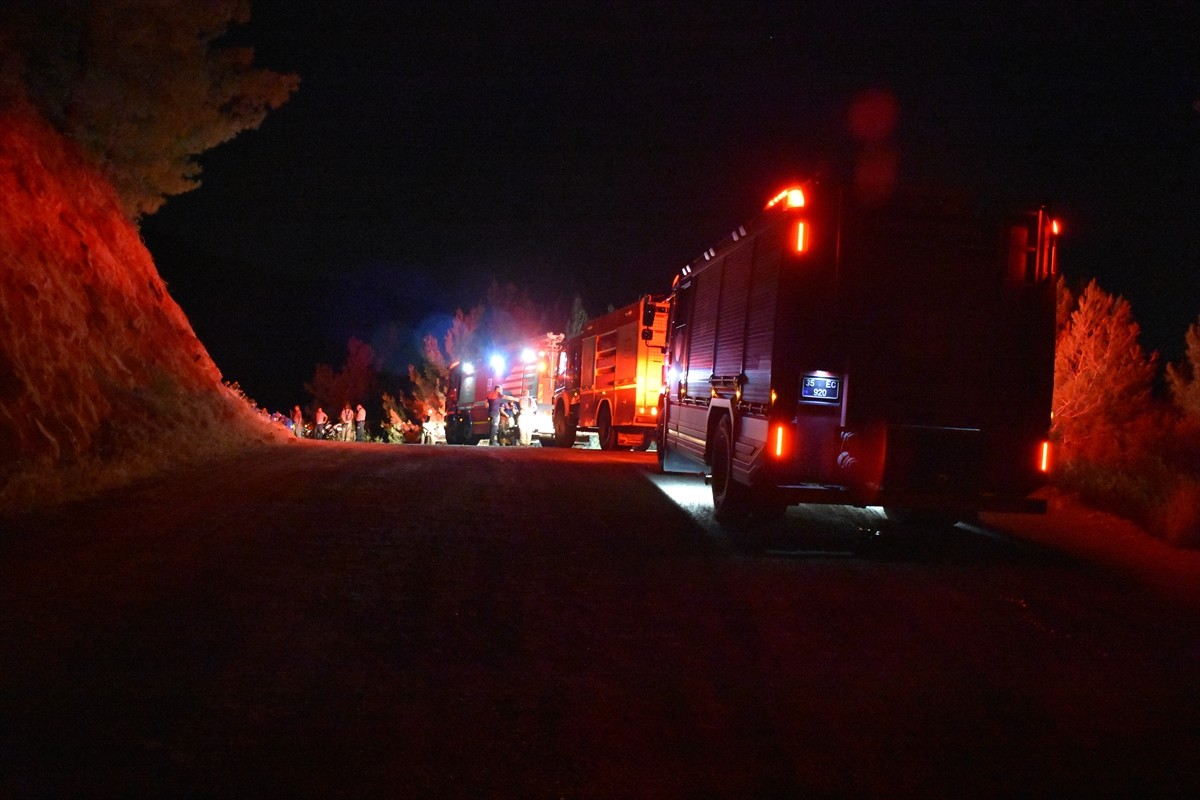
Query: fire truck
point(611, 377)
point(527, 365)
point(897, 353)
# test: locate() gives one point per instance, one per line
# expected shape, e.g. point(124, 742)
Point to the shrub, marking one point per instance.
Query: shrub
point(1179, 520)
point(1183, 378)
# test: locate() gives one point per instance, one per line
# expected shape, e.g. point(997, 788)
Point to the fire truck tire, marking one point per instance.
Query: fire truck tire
point(606, 432)
point(731, 500)
point(564, 428)
point(453, 430)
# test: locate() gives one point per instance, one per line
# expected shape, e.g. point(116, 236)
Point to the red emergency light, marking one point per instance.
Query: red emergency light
point(778, 442)
point(788, 198)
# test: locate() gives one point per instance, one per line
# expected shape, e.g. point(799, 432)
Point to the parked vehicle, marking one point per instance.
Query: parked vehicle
point(527, 365)
point(898, 354)
point(611, 377)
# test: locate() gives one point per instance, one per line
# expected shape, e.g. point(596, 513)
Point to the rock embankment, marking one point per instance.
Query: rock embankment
point(101, 377)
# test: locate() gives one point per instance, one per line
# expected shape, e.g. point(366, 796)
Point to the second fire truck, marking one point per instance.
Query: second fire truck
point(525, 366)
point(611, 375)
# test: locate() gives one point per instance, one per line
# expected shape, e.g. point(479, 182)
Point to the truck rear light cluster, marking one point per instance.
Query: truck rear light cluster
point(1044, 457)
point(779, 440)
point(789, 198)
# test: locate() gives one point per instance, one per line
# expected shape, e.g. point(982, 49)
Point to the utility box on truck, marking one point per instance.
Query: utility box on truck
point(524, 366)
point(611, 377)
point(898, 354)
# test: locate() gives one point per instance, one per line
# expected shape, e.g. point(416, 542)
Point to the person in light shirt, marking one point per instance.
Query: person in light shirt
point(526, 410)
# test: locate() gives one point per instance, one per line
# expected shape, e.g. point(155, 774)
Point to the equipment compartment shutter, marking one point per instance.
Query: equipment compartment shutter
point(731, 322)
point(704, 331)
point(760, 322)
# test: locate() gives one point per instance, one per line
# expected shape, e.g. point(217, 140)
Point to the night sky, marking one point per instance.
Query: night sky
point(593, 149)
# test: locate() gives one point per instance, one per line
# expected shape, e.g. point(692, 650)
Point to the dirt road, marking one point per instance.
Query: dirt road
point(357, 620)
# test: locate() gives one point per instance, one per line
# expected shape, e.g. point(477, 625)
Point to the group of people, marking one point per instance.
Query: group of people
point(508, 412)
point(512, 421)
point(351, 425)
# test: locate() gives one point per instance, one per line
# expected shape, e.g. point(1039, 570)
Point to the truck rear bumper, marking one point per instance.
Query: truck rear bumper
point(838, 495)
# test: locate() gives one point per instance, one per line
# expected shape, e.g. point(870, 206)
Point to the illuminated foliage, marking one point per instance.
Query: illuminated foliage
point(355, 382)
point(462, 339)
point(513, 315)
point(1065, 302)
point(429, 382)
point(576, 318)
point(1184, 378)
point(143, 85)
point(509, 315)
point(1102, 377)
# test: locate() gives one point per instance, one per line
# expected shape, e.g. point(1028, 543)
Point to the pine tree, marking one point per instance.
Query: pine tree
point(429, 382)
point(1184, 378)
point(1102, 377)
point(355, 382)
point(577, 318)
point(462, 339)
point(144, 86)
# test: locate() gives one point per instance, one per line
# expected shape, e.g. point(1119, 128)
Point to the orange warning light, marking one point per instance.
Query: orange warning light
point(788, 198)
point(801, 237)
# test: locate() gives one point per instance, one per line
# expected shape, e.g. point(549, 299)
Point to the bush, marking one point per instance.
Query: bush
point(1123, 451)
point(1134, 491)
point(1179, 520)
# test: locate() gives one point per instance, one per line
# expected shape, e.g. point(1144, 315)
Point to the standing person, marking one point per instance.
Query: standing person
point(526, 410)
point(360, 423)
point(496, 398)
point(347, 420)
point(321, 421)
point(297, 422)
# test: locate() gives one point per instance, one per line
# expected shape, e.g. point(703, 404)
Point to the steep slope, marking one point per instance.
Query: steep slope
point(101, 378)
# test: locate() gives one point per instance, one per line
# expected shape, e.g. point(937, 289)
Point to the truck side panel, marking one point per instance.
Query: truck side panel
point(760, 323)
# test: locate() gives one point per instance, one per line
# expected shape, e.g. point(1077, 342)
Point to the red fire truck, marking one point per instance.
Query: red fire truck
point(611, 377)
point(527, 365)
point(896, 354)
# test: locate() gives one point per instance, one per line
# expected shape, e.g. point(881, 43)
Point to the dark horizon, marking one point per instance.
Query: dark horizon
point(594, 151)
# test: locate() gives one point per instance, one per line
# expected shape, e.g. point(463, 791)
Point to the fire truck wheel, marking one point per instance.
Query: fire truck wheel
point(453, 431)
point(730, 498)
point(605, 431)
point(564, 429)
